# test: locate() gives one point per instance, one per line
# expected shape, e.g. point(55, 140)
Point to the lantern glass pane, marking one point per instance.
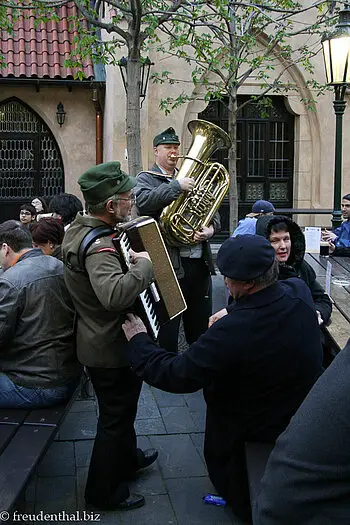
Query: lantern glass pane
point(327, 61)
point(339, 49)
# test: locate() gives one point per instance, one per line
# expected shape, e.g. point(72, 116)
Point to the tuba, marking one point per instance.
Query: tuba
point(195, 209)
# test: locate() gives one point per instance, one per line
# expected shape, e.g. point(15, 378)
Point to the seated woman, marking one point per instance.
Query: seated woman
point(47, 234)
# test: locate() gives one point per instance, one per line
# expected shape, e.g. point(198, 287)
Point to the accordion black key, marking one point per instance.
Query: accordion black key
point(163, 299)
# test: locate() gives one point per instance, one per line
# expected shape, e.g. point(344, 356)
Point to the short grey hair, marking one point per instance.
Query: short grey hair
point(100, 206)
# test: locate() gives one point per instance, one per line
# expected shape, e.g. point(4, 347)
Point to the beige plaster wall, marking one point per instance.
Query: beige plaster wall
point(76, 138)
point(314, 130)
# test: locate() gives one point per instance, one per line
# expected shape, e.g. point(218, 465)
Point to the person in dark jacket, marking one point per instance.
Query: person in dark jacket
point(193, 265)
point(256, 364)
point(38, 363)
point(339, 239)
point(307, 477)
point(288, 241)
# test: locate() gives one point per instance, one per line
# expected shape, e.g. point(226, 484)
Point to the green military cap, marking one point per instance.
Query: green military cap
point(167, 136)
point(103, 181)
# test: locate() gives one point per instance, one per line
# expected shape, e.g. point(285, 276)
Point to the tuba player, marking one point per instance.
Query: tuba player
point(193, 265)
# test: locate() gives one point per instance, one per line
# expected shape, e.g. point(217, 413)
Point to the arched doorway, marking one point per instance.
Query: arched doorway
point(265, 154)
point(30, 159)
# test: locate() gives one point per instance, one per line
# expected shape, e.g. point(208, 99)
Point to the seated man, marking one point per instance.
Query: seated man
point(307, 477)
point(339, 239)
point(38, 364)
point(256, 364)
point(248, 224)
point(288, 242)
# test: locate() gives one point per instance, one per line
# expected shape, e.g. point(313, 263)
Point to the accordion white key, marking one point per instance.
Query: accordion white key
point(163, 299)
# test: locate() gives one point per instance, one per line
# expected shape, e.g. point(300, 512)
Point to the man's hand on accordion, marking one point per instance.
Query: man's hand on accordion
point(135, 256)
point(133, 325)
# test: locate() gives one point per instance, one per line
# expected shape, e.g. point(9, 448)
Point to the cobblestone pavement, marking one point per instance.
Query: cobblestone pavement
point(173, 486)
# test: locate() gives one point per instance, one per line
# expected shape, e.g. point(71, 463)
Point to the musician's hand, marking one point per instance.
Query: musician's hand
point(218, 315)
point(135, 256)
point(133, 326)
point(187, 184)
point(205, 233)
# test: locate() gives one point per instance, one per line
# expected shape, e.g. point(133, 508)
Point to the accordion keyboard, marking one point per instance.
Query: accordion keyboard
point(148, 297)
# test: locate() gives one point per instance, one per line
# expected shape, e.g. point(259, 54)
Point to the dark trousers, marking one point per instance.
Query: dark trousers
point(114, 456)
point(196, 287)
point(224, 455)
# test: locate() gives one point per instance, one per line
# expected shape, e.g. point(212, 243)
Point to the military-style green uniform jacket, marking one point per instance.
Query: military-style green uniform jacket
point(102, 294)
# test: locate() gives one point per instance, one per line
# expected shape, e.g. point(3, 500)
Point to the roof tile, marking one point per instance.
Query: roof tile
point(40, 51)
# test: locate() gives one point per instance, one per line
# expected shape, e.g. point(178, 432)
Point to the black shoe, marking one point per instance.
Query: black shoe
point(133, 501)
point(145, 458)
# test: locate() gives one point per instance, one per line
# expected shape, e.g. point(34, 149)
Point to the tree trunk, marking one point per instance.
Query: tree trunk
point(232, 159)
point(133, 133)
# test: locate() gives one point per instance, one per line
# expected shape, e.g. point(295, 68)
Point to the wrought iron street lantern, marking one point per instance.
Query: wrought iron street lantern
point(60, 114)
point(145, 73)
point(336, 53)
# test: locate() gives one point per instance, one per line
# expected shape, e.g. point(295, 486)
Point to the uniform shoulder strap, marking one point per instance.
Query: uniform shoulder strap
point(92, 236)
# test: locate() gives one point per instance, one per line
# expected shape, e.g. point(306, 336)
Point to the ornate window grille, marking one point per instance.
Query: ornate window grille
point(30, 160)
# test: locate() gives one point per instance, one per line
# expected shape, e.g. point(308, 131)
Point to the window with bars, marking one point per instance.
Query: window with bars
point(265, 153)
point(30, 159)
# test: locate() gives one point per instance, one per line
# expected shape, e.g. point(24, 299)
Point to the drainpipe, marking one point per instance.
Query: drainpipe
point(99, 127)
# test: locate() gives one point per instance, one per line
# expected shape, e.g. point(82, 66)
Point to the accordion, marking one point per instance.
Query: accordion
point(162, 300)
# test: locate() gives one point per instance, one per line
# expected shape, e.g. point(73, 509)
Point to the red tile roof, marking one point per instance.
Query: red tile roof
point(40, 51)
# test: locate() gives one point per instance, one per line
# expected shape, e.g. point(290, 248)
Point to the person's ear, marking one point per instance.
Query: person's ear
point(110, 206)
point(249, 285)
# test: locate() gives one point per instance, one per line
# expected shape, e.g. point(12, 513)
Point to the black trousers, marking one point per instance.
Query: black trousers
point(196, 287)
point(114, 455)
point(224, 455)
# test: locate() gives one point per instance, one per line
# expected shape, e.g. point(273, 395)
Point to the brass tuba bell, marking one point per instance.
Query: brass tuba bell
point(195, 209)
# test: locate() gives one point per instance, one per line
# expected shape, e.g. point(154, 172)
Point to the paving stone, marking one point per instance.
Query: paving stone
point(148, 411)
point(199, 420)
point(81, 478)
point(166, 399)
point(149, 426)
point(195, 401)
point(146, 396)
point(198, 441)
point(78, 425)
point(186, 495)
point(178, 420)
point(157, 511)
point(178, 456)
point(83, 451)
point(59, 460)
point(83, 405)
point(149, 481)
point(56, 494)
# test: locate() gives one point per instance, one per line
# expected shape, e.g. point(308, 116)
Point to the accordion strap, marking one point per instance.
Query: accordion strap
point(92, 236)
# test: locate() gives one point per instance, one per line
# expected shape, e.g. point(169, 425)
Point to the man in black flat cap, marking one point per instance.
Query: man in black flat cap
point(256, 364)
point(102, 294)
point(193, 265)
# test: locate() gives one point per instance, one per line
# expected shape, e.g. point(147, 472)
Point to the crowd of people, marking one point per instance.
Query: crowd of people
point(66, 303)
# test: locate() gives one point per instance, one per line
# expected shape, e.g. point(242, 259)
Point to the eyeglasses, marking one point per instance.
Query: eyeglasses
point(132, 198)
point(25, 212)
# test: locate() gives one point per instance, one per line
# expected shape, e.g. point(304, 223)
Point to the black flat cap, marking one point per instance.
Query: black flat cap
point(245, 257)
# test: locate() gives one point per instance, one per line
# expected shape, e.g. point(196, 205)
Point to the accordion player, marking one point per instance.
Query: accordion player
point(162, 300)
